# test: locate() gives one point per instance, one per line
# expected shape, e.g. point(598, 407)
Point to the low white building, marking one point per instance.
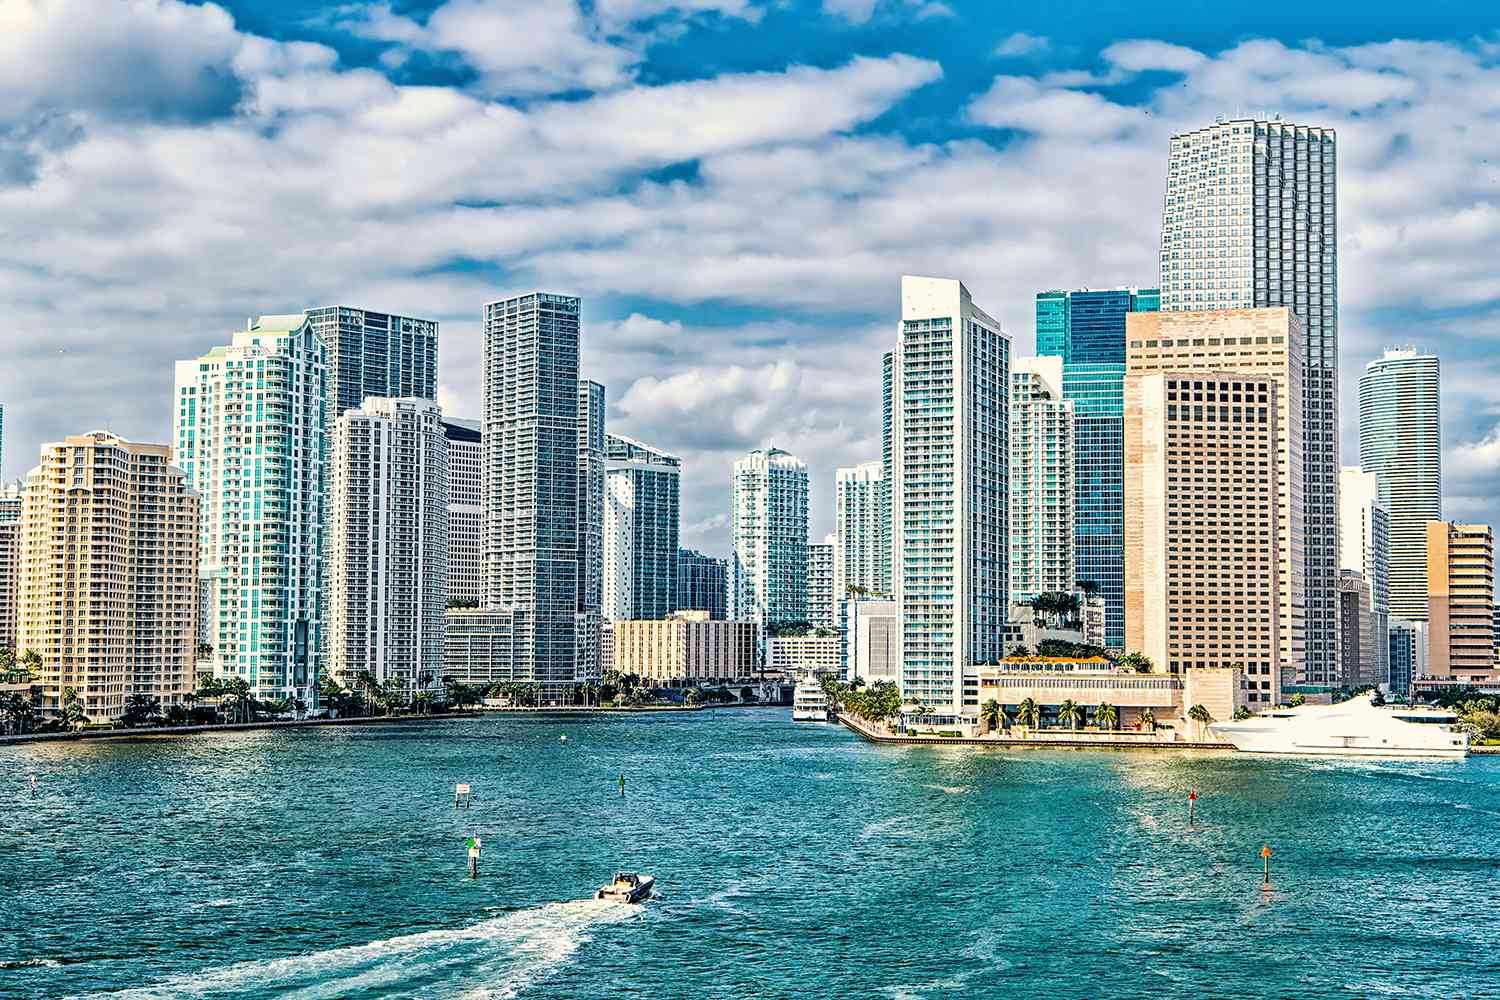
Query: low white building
point(872, 641)
point(789, 655)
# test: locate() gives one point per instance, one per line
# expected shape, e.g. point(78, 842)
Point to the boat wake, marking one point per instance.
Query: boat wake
point(494, 959)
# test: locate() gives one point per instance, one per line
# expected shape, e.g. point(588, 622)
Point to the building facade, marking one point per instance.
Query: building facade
point(1041, 480)
point(532, 496)
point(252, 435)
point(862, 535)
point(685, 649)
point(1401, 441)
point(770, 538)
point(1408, 657)
point(702, 584)
point(1357, 661)
point(1250, 219)
point(820, 587)
point(1364, 548)
point(465, 511)
point(1460, 603)
point(950, 488)
point(375, 354)
point(642, 518)
point(1262, 344)
point(1086, 328)
point(10, 572)
point(388, 544)
point(107, 592)
point(871, 634)
point(1202, 525)
point(790, 655)
point(479, 647)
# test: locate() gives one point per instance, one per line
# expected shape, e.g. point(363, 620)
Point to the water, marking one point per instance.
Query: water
point(792, 861)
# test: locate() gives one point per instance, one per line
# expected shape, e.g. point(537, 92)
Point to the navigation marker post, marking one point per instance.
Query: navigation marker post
point(1192, 802)
point(460, 793)
point(475, 846)
point(1265, 855)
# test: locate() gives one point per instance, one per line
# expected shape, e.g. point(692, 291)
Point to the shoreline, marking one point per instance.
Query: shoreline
point(200, 729)
point(1074, 743)
point(225, 727)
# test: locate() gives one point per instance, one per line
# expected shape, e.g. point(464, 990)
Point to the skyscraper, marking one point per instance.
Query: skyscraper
point(1364, 548)
point(531, 468)
point(1041, 480)
point(1401, 440)
point(1460, 602)
point(1086, 328)
point(1202, 570)
point(862, 539)
point(1264, 344)
point(1250, 220)
point(108, 584)
point(702, 584)
point(770, 538)
point(375, 354)
point(465, 511)
point(642, 513)
point(387, 575)
point(10, 571)
point(949, 488)
point(589, 618)
point(252, 435)
point(820, 572)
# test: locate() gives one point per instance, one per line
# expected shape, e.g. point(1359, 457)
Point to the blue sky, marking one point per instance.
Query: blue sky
point(733, 186)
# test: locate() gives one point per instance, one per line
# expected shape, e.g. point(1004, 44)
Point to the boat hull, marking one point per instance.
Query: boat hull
point(1356, 728)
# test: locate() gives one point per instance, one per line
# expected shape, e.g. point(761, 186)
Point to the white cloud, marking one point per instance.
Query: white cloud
point(1022, 103)
point(1022, 43)
point(862, 11)
point(1142, 54)
point(159, 58)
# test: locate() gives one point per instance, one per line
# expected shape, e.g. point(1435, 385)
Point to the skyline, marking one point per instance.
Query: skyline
point(776, 249)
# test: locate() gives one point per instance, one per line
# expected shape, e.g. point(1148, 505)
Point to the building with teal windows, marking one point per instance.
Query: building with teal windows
point(1086, 328)
point(252, 434)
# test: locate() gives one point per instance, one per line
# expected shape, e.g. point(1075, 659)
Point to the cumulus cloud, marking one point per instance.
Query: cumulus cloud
point(862, 11)
point(1022, 43)
point(738, 240)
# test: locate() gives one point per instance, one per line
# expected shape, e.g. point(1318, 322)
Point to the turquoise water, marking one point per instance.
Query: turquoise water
point(792, 861)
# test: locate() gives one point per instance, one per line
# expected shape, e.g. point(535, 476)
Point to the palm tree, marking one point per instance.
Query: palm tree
point(1200, 715)
point(141, 709)
point(1298, 699)
point(1148, 719)
point(16, 710)
point(991, 714)
point(1138, 662)
point(1070, 712)
point(1106, 716)
point(237, 691)
point(1029, 714)
point(71, 711)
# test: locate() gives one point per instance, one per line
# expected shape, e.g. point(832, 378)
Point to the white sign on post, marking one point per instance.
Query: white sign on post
point(460, 789)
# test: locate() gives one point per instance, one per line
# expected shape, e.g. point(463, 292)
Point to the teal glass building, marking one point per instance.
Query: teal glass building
point(1087, 330)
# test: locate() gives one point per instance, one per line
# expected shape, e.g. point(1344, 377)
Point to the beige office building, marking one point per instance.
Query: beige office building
point(1460, 603)
point(108, 584)
point(686, 648)
point(1264, 344)
point(1202, 564)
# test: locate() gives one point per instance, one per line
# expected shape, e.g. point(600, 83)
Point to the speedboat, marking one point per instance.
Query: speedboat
point(628, 887)
point(1354, 728)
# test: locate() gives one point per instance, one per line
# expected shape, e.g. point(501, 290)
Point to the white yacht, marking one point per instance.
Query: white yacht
point(809, 703)
point(1353, 728)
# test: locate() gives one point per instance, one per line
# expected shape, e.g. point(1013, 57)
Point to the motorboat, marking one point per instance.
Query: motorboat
point(1354, 728)
point(628, 887)
point(809, 702)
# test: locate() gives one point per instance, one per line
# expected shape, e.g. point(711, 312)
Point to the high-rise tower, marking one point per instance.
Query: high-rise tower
point(641, 524)
point(531, 468)
point(861, 556)
point(1401, 441)
point(1086, 328)
point(949, 488)
point(1041, 480)
point(375, 354)
point(769, 581)
point(252, 435)
point(388, 544)
point(1250, 219)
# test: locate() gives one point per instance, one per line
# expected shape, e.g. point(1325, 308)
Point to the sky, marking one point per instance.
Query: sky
point(733, 187)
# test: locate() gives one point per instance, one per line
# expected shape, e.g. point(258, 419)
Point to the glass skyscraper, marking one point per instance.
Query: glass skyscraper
point(375, 354)
point(1086, 328)
point(1401, 440)
point(642, 511)
point(1249, 220)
